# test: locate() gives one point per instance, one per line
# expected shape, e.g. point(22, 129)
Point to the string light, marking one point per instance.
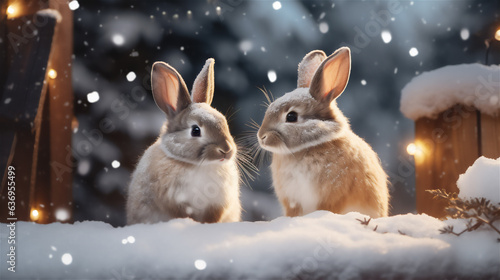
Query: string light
point(34, 215)
point(488, 42)
point(497, 35)
point(12, 11)
point(52, 74)
point(416, 149)
point(411, 149)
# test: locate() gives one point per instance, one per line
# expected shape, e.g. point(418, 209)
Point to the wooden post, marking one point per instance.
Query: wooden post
point(52, 190)
point(60, 113)
point(490, 136)
point(447, 146)
point(27, 56)
point(43, 150)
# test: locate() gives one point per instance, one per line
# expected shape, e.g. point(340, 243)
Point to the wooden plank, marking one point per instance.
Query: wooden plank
point(23, 87)
point(23, 152)
point(40, 183)
point(449, 145)
point(7, 146)
point(61, 112)
point(28, 60)
point(3, 44)
point(490, 136)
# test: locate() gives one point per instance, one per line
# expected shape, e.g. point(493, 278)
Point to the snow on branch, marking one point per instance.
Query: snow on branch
point(480, 211)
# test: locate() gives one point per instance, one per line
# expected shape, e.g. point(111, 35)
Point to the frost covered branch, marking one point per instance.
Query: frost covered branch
point(364, 222)
point(479, 210)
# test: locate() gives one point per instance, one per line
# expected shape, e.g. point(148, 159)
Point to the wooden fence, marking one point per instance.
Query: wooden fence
point(36, 109)
point(447, 146)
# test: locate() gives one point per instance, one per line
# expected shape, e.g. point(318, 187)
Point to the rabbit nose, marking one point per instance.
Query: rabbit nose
point(223, 152)
point(226, 154)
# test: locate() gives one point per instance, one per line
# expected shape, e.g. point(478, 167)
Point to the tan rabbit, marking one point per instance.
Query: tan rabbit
point(318, 163)
point(191, 170)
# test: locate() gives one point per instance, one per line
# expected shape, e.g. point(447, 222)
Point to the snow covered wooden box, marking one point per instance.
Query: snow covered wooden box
point(456, 112)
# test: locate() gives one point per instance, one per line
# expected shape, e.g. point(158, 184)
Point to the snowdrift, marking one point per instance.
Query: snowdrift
point(435, 91)
point(315, 246)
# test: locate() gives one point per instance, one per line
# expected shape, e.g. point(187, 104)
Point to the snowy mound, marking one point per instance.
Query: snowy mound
point(482, 179)
point(317, 246)
point(433, 92)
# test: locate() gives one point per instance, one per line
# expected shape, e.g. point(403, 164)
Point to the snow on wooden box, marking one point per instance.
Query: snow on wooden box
point(456, 113)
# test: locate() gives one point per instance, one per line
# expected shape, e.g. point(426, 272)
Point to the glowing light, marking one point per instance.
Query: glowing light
point(131, 76)
point(115, 164)
point(497, 35)
point(73, 5)
point(67, 259)
point(62, 214)
point(413, 52)
point(93, 97)
point(118, 39)
point(200, 264)
point(323, 27)
point(386, 36)
point(276, 5)
point(464, 34)
point(11, 11)
point(52, 74)
point(34, 215)
point(363, 82)
point(271, 75)
point(412, 149)
point(218, 10)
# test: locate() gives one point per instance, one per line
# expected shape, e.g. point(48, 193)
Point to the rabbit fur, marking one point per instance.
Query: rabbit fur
point(191, 170)
point(318, 163)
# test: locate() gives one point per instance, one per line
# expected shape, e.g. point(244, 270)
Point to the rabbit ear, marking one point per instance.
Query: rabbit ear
point(332, 76)
point(203, 87)
point(308, 66)
point(169, 90)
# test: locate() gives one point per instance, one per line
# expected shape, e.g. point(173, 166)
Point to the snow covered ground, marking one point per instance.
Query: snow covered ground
point(317, 246)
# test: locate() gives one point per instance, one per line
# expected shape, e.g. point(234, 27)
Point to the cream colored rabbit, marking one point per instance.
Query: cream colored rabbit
point(318, 162)
point(191, 170)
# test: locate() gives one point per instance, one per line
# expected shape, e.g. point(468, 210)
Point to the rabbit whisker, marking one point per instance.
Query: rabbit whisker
point(269, 96)
point(230, 113)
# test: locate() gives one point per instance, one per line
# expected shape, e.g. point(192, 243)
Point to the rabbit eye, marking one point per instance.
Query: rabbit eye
point(291, 117)
point(195, 131)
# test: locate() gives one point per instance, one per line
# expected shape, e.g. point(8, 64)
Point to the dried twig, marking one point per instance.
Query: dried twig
point(364, 222)
point(480, 211)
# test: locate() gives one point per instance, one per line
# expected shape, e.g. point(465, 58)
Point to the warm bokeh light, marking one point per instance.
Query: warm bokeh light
point(11, 11)
point(34, 214)
point(497, 35)
point(411, 149)
point(52, 74)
